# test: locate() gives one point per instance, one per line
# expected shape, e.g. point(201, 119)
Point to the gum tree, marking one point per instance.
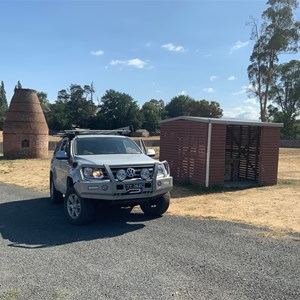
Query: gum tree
point(118, 110)
point(285, 95)
point(279, 33)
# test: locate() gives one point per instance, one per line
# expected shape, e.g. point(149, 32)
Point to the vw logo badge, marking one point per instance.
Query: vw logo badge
point(130, 172)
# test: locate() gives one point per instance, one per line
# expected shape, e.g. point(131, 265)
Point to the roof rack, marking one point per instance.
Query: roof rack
point(78, 131)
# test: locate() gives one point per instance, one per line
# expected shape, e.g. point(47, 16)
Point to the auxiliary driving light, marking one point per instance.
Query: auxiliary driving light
point(121, 174)
point(145, 173)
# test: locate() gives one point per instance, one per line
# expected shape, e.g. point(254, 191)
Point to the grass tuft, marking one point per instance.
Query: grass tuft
point(12, 294)
point(60, 294)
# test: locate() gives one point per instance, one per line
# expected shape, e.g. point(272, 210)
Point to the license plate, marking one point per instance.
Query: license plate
point(132, 186)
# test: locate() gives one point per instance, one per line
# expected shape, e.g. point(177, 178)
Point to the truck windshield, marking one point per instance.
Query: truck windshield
point(105, 145)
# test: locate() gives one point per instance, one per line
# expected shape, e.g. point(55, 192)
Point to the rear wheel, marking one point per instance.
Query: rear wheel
point(78, 211)
point(157, 206)
point(55, 195)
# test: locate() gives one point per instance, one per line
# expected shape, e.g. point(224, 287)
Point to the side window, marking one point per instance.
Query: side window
point(57, 147)
point(130, 147)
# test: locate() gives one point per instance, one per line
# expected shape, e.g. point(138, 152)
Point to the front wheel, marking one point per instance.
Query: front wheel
point(157, 206)
point(78, 211)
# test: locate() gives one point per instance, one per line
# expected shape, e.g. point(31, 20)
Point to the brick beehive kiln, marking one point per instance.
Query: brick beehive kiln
point(25, 131)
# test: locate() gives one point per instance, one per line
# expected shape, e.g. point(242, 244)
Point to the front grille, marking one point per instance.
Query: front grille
point(137, 173)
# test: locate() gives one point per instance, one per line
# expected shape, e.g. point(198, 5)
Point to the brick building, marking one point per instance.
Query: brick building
point(209, 151)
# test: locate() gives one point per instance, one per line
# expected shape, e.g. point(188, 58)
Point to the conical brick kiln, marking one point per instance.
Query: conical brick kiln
point(25, 131)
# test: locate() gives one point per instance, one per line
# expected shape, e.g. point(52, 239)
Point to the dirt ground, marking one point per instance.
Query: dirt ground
point(276, 207)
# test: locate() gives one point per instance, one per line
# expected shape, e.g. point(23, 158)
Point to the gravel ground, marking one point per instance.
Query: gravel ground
point(134, 257)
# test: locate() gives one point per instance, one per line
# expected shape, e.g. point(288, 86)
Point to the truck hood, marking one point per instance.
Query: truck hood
point(115, 159)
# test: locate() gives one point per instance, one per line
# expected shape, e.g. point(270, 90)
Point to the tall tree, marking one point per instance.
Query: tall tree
point(89, 91)
point(161, 108)
point(151, 116)
point(279, 33)
point(63, 96)
point(43, 98)
point(208, 109)
point(71, 109)
point(181, 105)
point(186, 106)
point(285, 94)
point(118, 110)
point(58, 117)
point(3, 104)
point(79, 108)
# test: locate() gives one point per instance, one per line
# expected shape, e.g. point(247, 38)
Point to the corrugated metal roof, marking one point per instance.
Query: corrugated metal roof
point(225, 121)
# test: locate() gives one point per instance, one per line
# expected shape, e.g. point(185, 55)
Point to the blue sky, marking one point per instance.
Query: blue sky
point(147, 49)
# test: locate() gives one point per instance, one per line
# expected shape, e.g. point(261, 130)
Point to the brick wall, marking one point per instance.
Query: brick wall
point(269, 154)
point(183, 145)
point(217, 154)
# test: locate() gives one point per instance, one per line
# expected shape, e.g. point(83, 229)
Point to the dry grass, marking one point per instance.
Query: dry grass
point(276, 207)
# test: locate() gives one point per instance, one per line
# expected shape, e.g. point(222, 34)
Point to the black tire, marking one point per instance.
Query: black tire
point(78, 211)
point(156, 207)
point(55, 195)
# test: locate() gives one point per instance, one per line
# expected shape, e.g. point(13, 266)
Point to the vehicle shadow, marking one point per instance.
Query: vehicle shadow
point(36, 223)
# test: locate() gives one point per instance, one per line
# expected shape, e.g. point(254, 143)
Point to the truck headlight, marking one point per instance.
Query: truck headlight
point(87, 172)
point(93, 173)
point(163, 169)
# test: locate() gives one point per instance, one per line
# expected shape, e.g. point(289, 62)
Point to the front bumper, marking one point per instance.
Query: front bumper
point(107, 190)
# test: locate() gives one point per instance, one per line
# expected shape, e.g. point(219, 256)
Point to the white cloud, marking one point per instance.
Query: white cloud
point(209, 90)
point(242, 113)
point(183, 93)
point(173, 48)
point(231, 78)
point(238, 45)
point(252, 101)
point(97, 53)
point(117, 62)
point(244, 90)
point(249, 110)
point(212, 78)
point(135, 63)
point(239, 93)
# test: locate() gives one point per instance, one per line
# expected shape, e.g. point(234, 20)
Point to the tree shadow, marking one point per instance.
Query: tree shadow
point(36, 223)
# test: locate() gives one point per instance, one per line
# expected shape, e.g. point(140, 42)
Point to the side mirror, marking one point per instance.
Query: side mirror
point(151, 152)
point(61, 155)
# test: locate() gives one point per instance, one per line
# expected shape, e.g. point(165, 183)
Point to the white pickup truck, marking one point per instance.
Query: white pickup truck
point(92, 168)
